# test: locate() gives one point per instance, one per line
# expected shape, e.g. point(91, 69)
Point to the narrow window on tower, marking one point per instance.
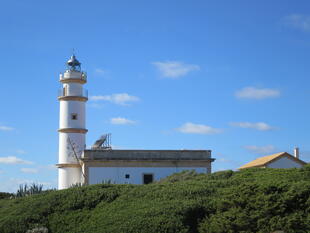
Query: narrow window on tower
point(73, 116)
point(65, 90)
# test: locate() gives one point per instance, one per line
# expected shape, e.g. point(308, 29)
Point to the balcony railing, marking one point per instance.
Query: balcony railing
point(73, 75)
point(63, 92)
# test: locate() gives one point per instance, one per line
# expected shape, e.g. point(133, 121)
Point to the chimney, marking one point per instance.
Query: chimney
point(296, 152)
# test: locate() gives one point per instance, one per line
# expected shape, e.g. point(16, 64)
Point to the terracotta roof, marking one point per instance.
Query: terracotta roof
point(263, 161)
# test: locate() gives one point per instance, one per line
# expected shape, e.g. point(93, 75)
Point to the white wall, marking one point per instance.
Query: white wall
point(68, 176)
point(284, 162)
point(117, 174)
point(74, 89)
point(72, 74)
point(66, 154)
point(69, 107)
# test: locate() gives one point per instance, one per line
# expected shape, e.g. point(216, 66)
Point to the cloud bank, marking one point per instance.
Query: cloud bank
point(29, 170)
point(5, 128)
point(257, 93)
point(13, 160)
point(120, 99)
point(121, 121)
point(100, 71)
point(261, 149)
point(298, 21)
point(261, 126)
point(174, 69)
point(191, 128)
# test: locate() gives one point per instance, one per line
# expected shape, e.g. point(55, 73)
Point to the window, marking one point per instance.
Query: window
point(147, 178)
point(74, 116)
point(65, 90)
point(127, 176)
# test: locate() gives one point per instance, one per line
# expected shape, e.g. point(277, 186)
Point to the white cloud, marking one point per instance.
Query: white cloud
point(191, 128)
point(121, 121)
point(224, 160)
point(29, 170)
point(174, 69)
point(51, 167)
point(298, 21)
point(13, 160)
point(261, 126)
point(257, 93)
point(20, 152)
point(100, 71)
point(261, 149)
point(5, 128)
point(95, 105)
point(121, 98)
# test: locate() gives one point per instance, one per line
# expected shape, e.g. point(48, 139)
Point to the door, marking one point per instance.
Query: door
point(147, 178)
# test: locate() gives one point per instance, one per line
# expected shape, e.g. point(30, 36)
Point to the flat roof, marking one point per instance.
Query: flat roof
point(147, 155)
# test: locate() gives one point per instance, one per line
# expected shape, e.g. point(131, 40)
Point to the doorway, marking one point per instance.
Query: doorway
point(148, 178)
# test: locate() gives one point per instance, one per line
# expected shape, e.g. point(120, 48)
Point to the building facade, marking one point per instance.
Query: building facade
point(279, 160)
point(77, 165)
point(141, 166)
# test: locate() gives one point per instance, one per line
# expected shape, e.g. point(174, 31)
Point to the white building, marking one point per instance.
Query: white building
point(101, 164)
point(141, 166)
point(72, 130)
point(279, 160)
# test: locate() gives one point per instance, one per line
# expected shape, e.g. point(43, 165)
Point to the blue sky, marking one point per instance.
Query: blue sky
point(230, 76)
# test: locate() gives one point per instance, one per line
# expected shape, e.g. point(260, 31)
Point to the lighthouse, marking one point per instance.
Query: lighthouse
point(72, 130)
point(78, 165)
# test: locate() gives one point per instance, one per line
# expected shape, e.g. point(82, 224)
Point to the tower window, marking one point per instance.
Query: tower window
point(127, 176)
point(74, 116)
point(65, 90)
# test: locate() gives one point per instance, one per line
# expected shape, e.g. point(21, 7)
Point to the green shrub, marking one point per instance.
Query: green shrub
point(25, 190)
point(4, 195)
point(251, 200)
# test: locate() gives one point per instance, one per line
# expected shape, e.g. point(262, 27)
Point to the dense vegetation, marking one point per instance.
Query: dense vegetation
point(5, 195)
point(25, 190)
point(253, 200)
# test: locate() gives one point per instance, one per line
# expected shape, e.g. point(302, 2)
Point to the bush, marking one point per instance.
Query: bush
point(25, 190)
point(5, 195)
point(251, 200)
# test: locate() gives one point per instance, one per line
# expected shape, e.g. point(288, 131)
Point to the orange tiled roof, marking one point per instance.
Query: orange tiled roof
point(262, 161)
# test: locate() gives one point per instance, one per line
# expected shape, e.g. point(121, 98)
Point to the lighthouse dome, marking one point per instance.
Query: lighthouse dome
point(73, 63)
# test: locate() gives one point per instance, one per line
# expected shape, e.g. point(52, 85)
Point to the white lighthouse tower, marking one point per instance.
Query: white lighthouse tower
point(72, 130)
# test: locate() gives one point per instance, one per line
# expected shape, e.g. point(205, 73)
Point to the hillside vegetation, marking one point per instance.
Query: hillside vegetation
point(253, 200)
